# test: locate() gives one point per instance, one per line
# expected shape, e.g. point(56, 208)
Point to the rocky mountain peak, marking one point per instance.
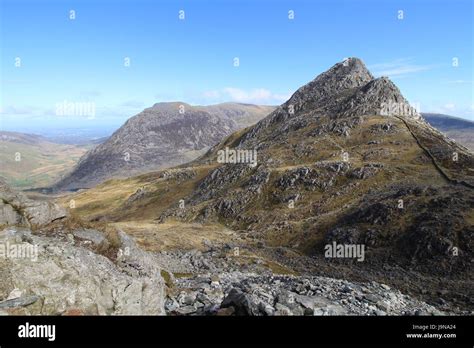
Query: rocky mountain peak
point(346, 75)
point(349, 73)
point(170, 107)
point(347, 89)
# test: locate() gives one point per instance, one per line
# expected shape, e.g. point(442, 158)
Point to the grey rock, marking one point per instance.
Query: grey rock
point(282, 310)
point(171, 305)
point(306, 301)
point(189, 299)
point(266, 309)
point(65, 277)
point(241, 302)
point(19, 302)
point(186, 310)
point(17, 209)
point(94, 236)
point(8, 215)
point(383, 306)
point(372, 298)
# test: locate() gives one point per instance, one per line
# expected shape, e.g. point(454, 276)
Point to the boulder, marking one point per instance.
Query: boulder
point(241, 302)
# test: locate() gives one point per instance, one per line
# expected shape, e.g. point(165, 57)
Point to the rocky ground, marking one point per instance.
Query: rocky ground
point(87, 272)
point(240, 293)
point(221, 282)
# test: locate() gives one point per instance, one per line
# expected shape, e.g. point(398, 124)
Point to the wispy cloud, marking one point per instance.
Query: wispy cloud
point(133, 104)
point(89, 94)
point(449, 107)
point(454, 109)
point(256, 95)
point(398, 68)
point(22, 110)
point(120, 111)
point(460, 82)
point(212, 94)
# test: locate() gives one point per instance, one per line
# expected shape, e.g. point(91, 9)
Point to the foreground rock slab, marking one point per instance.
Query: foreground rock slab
point(17, 209)
point(52, 276)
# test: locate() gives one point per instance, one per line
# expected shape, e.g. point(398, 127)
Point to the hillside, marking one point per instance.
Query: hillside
point(456, 128)
point(164, 135)
point(31, 161)
point(345, 160)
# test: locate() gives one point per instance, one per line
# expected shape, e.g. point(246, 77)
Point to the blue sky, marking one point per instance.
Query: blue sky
point(82, 60)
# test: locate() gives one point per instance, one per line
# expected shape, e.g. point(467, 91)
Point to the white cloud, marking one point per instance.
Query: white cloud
point(460, 81)
point(126, 109)
point(449, 106)
point(212, 94)
point(15, 110)
point(398, 68)
point(255, 96)
point(133, 104)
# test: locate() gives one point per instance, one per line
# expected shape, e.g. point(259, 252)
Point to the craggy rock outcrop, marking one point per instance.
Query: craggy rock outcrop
point(65, 273)
point(59, 276)
point(16, 208)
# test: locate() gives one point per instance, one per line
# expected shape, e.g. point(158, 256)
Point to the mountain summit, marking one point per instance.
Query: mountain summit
point(342, 77)
point(346, 90)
